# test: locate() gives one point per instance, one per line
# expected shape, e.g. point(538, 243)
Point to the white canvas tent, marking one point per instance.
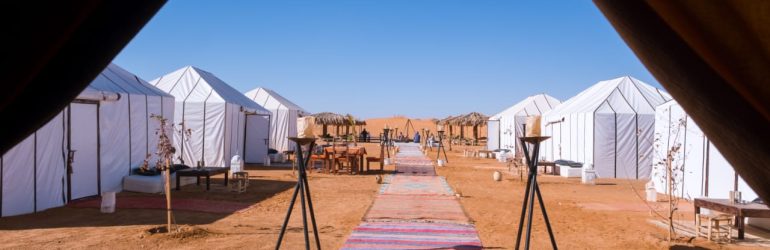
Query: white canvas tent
point(218, 116)
point(283, 122)
point(110, 131)
point(705, 172)
point(608, 126)
point(505, 127)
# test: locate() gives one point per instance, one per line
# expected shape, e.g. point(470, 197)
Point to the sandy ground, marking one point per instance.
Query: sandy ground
point(604, 216)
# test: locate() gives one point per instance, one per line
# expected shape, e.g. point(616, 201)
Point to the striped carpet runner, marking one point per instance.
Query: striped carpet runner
point(415, 209)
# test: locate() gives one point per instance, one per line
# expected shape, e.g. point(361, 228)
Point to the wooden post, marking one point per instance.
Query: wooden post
point(669, 192)
point(168, 197)
point(324, 130)
point(450, 138)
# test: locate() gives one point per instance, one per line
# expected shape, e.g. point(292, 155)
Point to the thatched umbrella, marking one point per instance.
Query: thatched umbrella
point(360, 124)
point(474, 119)
point(329, 118)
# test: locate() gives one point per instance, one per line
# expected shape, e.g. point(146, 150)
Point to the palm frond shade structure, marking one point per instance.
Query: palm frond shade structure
point(473, 119)
point(328, 118)
point(444, 121)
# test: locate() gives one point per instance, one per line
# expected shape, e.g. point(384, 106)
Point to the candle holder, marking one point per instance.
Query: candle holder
point(303, 189)
point(532, 190)
point(386, 140)
point(441, 147)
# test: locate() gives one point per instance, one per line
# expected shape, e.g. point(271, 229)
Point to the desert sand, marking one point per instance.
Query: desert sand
point(609, 215)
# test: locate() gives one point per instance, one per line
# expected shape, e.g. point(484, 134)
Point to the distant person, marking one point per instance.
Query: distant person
point(365, 135)
point(430, 141)
point(416, 137)
point(400, 136)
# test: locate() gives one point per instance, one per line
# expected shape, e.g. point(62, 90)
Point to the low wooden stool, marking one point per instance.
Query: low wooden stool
point(714, 227)
point(314, 158)
point(239, 182)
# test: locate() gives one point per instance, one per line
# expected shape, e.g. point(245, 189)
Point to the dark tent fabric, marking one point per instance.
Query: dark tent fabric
point(53, 50)
point(713, 57)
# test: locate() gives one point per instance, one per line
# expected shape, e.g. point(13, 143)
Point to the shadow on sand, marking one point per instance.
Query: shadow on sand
point(259, 189)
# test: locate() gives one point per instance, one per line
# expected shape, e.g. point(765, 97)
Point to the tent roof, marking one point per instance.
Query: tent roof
point(620, 95)
point(667, 104)
point(269, 99)
point(532, 105)
point(191, 84)
point(113, 80)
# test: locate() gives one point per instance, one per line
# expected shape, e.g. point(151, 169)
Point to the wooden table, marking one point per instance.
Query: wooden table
point(740, 211)
point(547, 164)
point(358, 151)
point(204, 171)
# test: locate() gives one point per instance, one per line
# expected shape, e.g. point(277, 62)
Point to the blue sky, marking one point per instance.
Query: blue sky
point(419, 58)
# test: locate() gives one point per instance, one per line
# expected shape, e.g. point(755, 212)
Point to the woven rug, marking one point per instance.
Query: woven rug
point(416, 185)
point(415, 170)
point(391, 207)
point(415, 209)
point(195, 205)
point(410, 161)
point(399, 235)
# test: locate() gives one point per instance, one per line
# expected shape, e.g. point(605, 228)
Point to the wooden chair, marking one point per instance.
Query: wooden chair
point(380, 159)
point(341, 159)
point(322, 157)
point(719, 228)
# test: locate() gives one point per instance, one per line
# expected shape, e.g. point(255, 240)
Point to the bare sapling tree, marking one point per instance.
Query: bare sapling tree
point(673, 164)
point(165, 153)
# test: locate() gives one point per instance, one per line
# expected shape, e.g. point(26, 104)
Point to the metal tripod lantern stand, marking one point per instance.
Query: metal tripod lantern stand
point(441, 147)
point(303, 189)
point(423, 137)
point(386, 139)
point(532, 190)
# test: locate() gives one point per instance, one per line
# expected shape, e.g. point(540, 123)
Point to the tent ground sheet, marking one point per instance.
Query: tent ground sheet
point(415, 209)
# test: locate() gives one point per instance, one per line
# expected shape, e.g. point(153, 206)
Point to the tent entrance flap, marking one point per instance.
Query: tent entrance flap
point(493, 135)
point(83, 131)
point(256, 138)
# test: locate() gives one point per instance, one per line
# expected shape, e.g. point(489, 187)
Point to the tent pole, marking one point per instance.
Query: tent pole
point(98, 150)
